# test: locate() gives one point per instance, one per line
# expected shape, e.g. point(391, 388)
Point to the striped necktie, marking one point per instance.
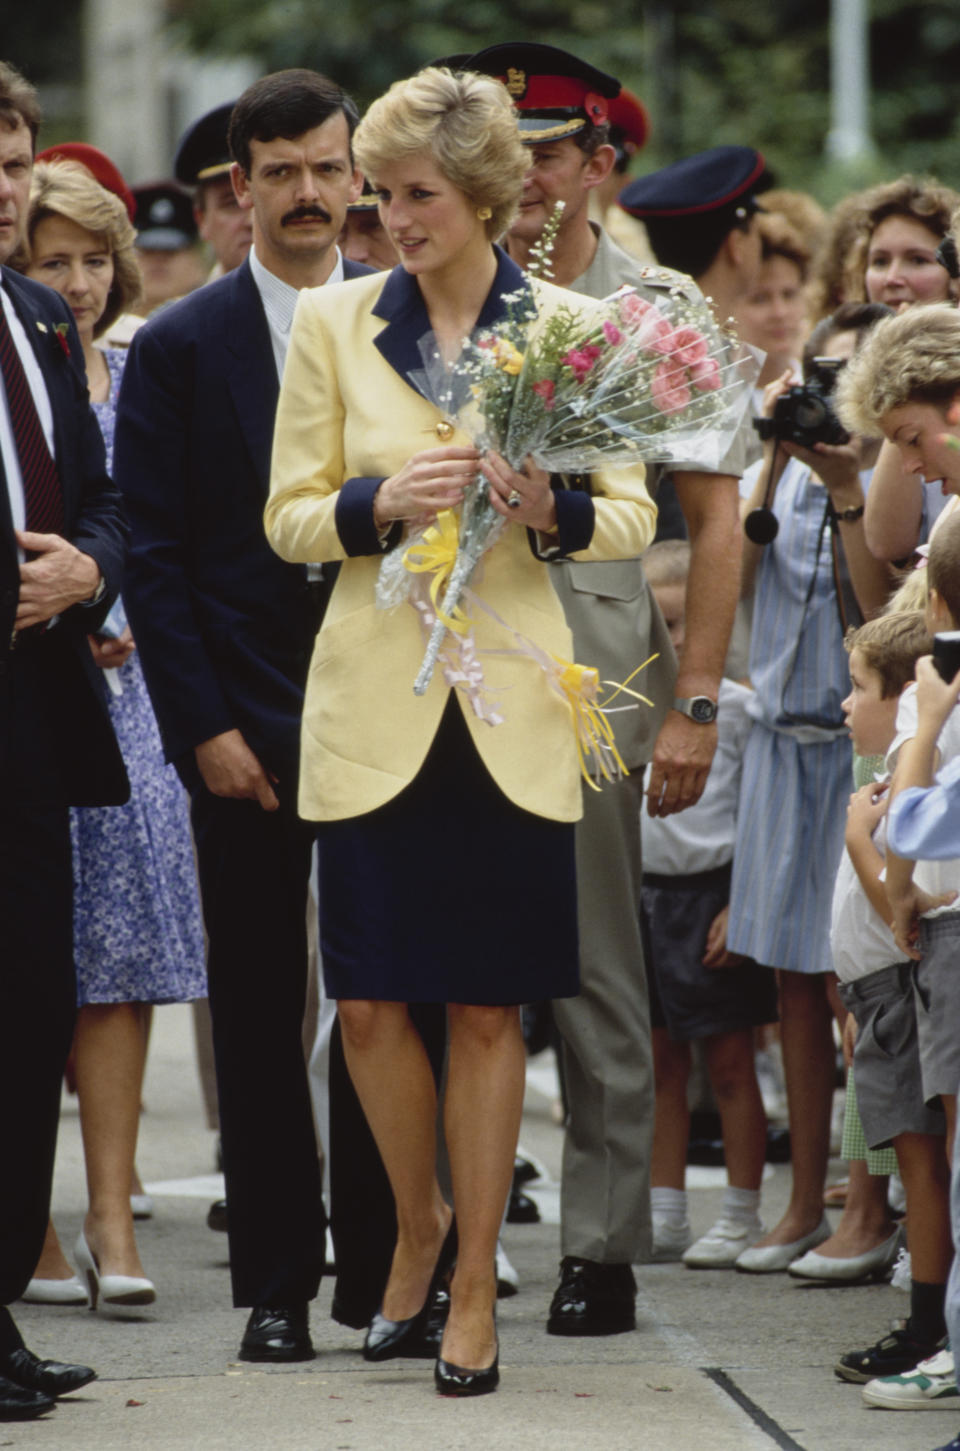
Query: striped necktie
point(41, 480)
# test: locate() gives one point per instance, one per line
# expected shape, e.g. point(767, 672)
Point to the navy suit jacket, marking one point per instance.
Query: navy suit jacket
point(224, 627)
point(87, 762)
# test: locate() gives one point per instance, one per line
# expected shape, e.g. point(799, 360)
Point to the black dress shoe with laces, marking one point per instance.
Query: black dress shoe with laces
point(277, 1332)
point(50, 1377)
point(17, 1404)
point(593, 1299)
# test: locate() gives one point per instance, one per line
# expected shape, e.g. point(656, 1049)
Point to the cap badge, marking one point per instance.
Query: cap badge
point(516, 81)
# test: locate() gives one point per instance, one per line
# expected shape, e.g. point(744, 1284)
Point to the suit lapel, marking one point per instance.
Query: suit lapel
point(401, 305)
point(251, 370)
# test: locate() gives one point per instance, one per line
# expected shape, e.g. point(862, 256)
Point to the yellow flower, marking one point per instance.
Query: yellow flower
point(507, 356)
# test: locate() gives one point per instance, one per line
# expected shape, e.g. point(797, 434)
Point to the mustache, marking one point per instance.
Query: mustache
point(301, 213)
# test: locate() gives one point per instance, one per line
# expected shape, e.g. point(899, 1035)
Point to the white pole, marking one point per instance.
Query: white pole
point(849, 136)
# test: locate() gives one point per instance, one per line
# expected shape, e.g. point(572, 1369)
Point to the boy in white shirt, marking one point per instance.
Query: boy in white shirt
point(876, 985)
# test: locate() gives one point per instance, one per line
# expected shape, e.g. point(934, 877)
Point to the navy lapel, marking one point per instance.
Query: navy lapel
point(401, 304)
point(251, 369)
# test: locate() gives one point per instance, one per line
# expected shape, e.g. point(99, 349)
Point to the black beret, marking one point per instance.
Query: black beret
point(164, 219)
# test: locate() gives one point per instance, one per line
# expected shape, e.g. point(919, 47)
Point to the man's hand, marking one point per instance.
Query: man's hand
point(681, 764)
point(59, 576)
point(229, 768)
point(110, 653)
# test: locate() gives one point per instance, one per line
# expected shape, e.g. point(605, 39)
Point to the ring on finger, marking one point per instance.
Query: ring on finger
point(514, 499)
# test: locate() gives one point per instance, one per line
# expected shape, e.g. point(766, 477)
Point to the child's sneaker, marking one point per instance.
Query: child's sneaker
point(891, 1356)
point(719, 1247)
point(931, 1385)
point(670, 1238)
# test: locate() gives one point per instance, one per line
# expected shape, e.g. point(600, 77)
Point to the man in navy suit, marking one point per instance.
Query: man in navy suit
point(225, 630)
point(62, 545)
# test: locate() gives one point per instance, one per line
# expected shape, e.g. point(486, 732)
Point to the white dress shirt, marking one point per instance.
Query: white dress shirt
point(279, 303)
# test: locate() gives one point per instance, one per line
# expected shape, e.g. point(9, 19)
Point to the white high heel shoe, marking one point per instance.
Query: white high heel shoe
point(112, 1289)
point(56, 1292)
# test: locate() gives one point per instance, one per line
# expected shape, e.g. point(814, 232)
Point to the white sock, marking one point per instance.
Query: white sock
point(669, 1205)
point(742, 1205)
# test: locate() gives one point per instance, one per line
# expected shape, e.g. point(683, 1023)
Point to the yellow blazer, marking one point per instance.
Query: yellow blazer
point(349, 417)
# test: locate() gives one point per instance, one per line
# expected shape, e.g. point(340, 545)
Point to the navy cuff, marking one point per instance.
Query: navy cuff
point(575, 521)
point(353, 517)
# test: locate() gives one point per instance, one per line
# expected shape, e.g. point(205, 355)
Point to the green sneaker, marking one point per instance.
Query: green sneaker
point(930, 1385)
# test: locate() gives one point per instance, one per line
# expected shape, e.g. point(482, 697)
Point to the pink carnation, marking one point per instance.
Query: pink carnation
point(655, 333)
point(632, 308)
point(705, 375)
point(689, 346)
point(581, 360)
point(668, 388)
point(545, 388)
point(612, 333)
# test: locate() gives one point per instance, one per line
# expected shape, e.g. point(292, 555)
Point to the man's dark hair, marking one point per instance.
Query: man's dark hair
point(850, 317)
point(690, 244)
point(591, 138)
point(285, 103)
point(18, 101)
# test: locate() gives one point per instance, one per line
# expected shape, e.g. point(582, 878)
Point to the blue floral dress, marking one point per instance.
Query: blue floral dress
point(138, 934)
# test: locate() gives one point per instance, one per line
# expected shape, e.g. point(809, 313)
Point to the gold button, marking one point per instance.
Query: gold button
point(444, 430)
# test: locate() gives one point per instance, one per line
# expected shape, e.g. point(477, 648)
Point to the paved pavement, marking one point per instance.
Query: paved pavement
point(719, 1362)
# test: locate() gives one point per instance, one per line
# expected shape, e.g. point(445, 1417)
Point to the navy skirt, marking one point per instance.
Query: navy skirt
point(449, 893)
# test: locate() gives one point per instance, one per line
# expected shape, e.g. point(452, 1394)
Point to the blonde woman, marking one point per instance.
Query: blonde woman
point(446, 846)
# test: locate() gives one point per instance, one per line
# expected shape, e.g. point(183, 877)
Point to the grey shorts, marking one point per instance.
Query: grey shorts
point(886, 1059)
point(936, 983)
point(688, 999)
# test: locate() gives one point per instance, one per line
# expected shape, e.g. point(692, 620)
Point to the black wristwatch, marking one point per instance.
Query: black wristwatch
point(698, 707)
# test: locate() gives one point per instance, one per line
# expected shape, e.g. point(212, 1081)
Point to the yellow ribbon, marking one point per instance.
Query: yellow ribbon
point(579, 685)
point(435, 553)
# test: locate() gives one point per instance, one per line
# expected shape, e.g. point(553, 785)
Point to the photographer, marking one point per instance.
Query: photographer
point(806, 563)
point(802, 454)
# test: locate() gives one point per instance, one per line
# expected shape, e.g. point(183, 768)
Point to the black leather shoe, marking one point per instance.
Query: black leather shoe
point(50, 1377)
point(217, 1215)
point(17, 1404)
point(453, 1380)
point(279, 1332)
point(389, 1338)
point(521, 1209)
point(593, 1299)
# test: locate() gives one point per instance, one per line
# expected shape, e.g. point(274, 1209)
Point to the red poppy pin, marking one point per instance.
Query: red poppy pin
point(60, 329)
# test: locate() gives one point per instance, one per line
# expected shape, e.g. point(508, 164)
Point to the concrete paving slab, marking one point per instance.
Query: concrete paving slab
point(591, 1408)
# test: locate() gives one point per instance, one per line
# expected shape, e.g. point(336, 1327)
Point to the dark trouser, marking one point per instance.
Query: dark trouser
point(38, 993)
point(254, 870)
point(363, 1220)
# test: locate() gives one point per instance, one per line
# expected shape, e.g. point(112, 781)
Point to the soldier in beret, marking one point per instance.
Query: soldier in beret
point(564, 115)
point(167, 244)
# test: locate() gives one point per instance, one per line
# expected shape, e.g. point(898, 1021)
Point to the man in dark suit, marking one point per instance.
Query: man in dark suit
point(225, 630)
point(62, 543)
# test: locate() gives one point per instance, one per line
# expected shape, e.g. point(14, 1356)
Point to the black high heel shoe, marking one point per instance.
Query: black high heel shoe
point(453, 1380)
point(387, 1339)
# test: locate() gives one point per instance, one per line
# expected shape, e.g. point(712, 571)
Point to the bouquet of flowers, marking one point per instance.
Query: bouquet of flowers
point(596, 384)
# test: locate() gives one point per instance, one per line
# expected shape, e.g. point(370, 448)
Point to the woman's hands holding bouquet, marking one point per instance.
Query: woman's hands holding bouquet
point(521, 498)
point(430, 481)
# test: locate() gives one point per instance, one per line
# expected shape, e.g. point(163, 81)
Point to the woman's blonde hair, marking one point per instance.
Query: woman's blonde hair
point(922, 200)
point(67, 189)
point(467, 123)
point(914, 356)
